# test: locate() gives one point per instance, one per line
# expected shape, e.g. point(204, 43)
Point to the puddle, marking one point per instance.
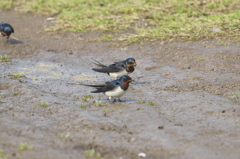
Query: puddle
point(38, 72)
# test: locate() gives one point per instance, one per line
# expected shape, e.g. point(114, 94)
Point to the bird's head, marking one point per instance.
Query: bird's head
point(130, 62)
point(125, 79)
point(8, 30)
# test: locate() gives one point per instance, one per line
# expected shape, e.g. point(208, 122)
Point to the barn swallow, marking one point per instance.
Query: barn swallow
point(117, 69)
point(115, 88)
point(6, 30)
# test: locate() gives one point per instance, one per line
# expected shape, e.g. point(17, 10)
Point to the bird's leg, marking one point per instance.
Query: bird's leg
point(109, 98)
point(119, 100)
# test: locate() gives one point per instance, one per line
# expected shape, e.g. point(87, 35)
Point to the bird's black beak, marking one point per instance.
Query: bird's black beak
point(134, 64)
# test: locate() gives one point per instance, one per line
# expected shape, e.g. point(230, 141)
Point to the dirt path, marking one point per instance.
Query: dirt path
point(184, 102)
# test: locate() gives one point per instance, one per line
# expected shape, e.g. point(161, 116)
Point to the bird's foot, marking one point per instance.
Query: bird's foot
point(119, 100)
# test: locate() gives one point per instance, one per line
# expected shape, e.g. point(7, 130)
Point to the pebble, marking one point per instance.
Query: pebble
point(142, 154)
point(51, 18)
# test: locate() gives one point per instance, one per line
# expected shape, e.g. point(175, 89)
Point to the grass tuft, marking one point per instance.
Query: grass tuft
point(98, 103)
point(16, 92)
point(86, 98)
point(200, 58)
point(4, 58)
point(43, 104)
point(17, 76)
point(144, 101)
point(92, 153)
point(235, 95)
point(24, 146)
point(82, 105)
point(141, 101)
point(142, 20)
point(3, 155)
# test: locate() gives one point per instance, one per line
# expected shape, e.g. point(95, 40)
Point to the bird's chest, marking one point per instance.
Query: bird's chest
point(116, 92)
point(118, 74)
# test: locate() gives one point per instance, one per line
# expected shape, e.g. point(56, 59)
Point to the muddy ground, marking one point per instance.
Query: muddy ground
point(184, 102)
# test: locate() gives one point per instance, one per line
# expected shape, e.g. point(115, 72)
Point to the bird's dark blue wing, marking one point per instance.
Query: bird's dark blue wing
point(111, 85)
point(99, 64)
point(109, 69)
point(96, 86)
point(105, 87)
point(120, 62)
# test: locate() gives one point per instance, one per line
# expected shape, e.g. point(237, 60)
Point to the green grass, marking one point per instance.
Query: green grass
point(90, 153)
point(98, 103)
point(200, 58)
point(3, 155)
point(86, 98)
point(4, 58)
point(64, 136)
point(105, 110)
point(151, 103)
point(82, 105)
point(105, 38)
point(24, 146)
point(143, 101)
point(93, 154)
point(16, 92)
point(235, 95)
point(141, 20)
point(75, 98)
point(16, 75)
point(43, 104)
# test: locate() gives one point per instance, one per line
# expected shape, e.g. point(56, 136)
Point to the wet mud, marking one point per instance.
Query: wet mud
point(184, 101)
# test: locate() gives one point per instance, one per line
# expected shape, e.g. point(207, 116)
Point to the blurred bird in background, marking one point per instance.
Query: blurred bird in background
point(6, 30)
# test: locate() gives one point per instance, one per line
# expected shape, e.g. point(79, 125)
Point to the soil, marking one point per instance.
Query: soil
point(184, 101)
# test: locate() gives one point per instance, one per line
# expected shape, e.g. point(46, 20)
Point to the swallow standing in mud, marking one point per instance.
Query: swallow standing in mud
point(116, 88)
point(6, 30)
point(117, 69)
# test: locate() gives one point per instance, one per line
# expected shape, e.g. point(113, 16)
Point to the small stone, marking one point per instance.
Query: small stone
point(51, 18)
point(160, 127)
point(215, 30)
point(142, 154)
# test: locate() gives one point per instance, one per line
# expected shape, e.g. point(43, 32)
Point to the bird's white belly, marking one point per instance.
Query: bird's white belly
point(117, 92)
point(118, 74)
